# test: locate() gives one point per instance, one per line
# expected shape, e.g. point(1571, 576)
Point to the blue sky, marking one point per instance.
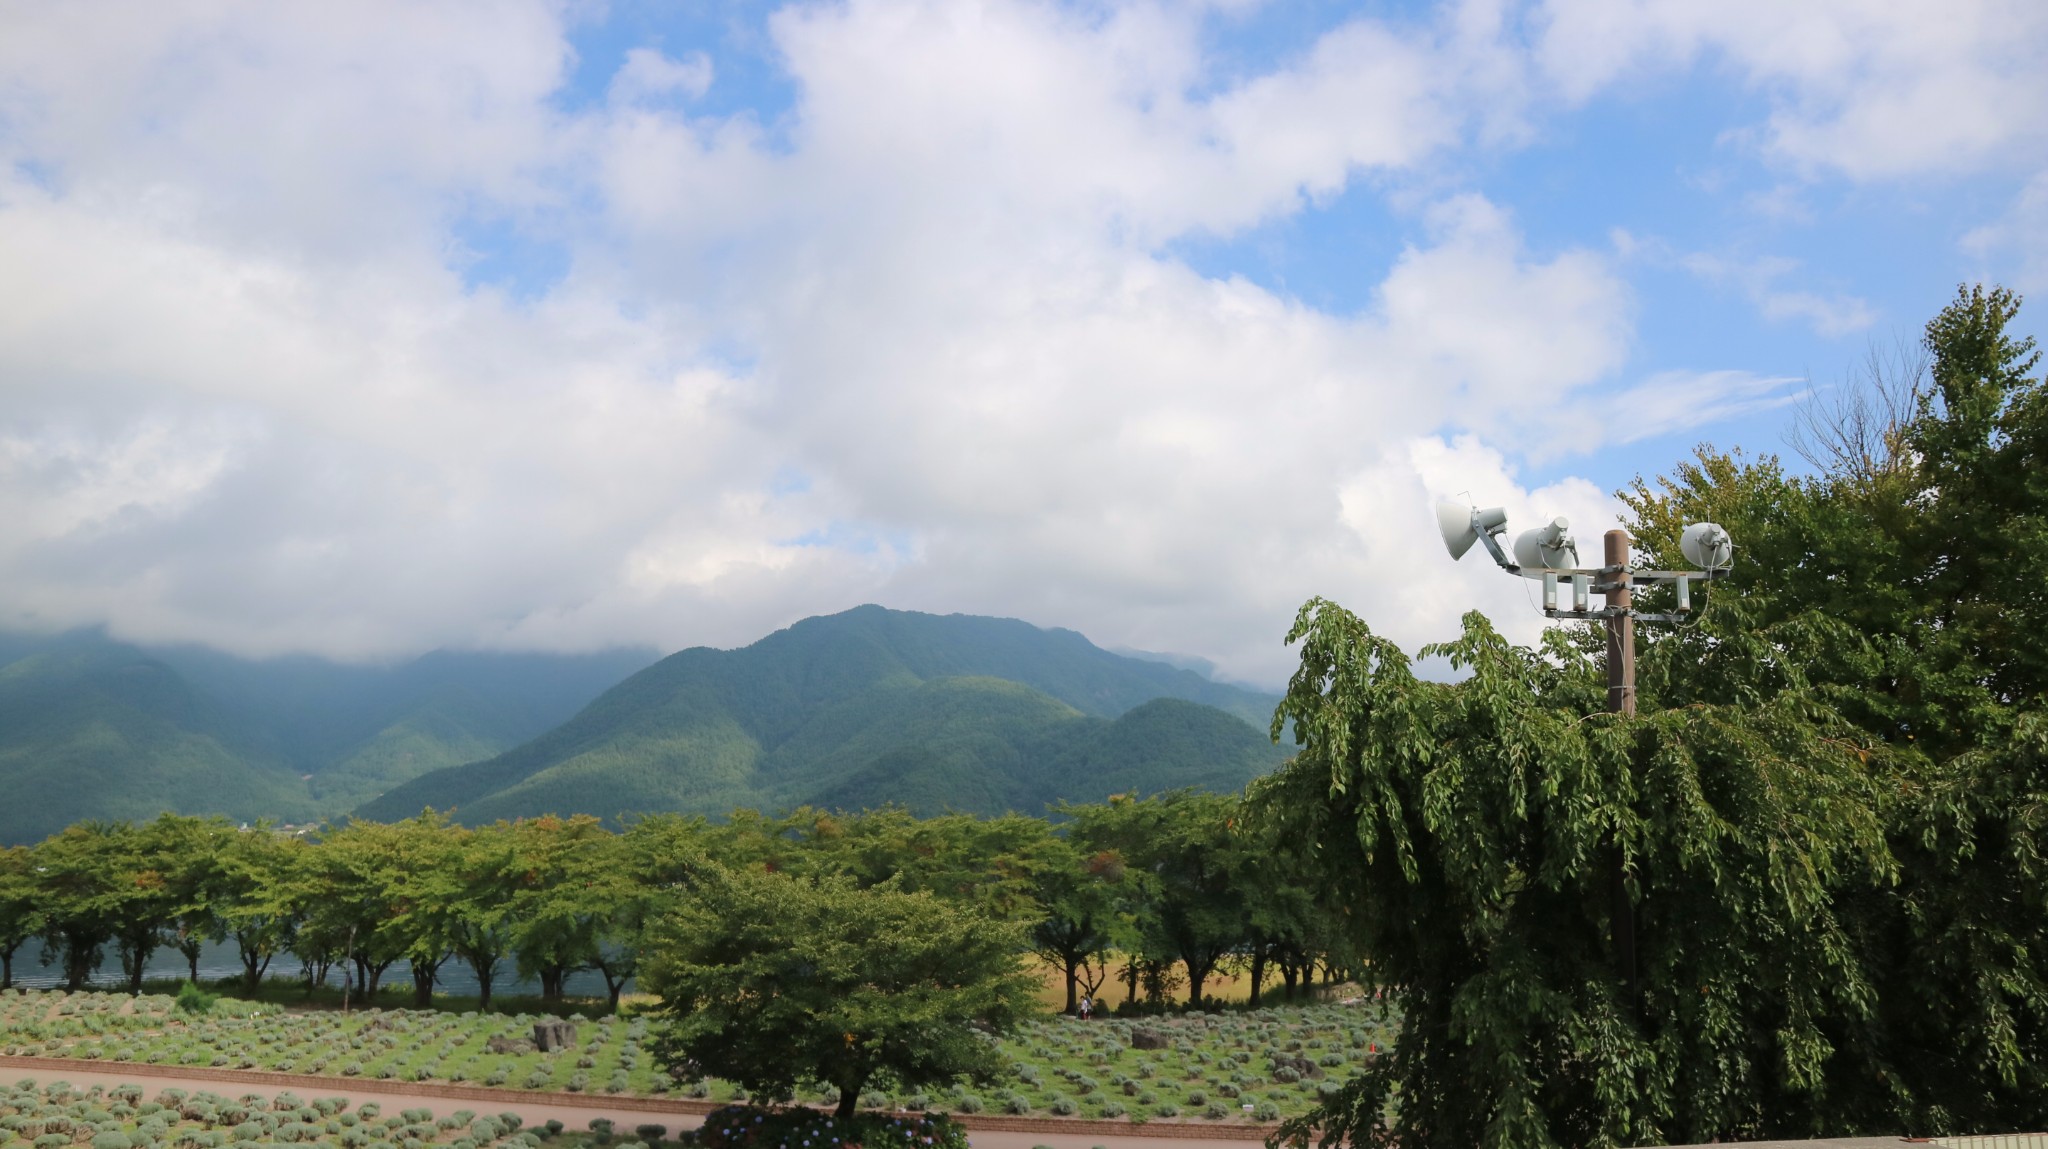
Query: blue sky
point(378, 328)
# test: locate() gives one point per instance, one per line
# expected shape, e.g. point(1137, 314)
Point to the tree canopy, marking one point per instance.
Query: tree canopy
point(776, 981)
point(1826, 819)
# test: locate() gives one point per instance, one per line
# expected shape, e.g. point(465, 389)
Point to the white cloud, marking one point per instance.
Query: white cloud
point(1419, 592)
point(647, 74)
point(926, 348)
point(1672, 401)
point(1828, 315)
point(2014, 247)
point(1872, 89)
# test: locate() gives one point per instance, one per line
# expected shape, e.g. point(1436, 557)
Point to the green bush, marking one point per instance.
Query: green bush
point(196, 1001)
point(745, 1125)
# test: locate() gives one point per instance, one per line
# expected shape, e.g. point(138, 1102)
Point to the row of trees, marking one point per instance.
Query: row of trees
point(1174, 884)
point(1828, 820)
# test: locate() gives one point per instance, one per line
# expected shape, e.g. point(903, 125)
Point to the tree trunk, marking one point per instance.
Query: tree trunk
point(614, 986)
point(1073, 1002)
point(1288, 975)
point(551, 979)
point(1197, 974)
point(1258, 973)
point(134, 960)
point(375, 970)
point(849, 1101)
point(81, 960)
point(7, 968)
point(486, 972)
point(252, 971)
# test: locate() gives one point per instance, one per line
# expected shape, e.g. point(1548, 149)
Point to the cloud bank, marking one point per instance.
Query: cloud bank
point(345, 330)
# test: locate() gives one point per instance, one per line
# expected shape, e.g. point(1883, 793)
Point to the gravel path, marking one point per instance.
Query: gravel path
point(535, 1112)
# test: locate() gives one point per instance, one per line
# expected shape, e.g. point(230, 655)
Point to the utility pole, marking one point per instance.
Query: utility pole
point(1621, 627)
point(1549, 554)
point(1621, 699)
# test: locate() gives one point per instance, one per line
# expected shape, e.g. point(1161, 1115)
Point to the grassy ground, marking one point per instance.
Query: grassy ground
point(55, 1116)
point(1217, 1067)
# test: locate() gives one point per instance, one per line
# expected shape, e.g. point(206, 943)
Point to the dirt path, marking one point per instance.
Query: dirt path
point(533, 1112)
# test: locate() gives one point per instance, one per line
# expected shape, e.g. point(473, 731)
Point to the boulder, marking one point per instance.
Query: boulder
point(553, 1036)
point(1149, 1039)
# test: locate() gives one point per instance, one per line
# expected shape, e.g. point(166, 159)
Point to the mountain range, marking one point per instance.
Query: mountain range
point(94, 728)
point(852, 710)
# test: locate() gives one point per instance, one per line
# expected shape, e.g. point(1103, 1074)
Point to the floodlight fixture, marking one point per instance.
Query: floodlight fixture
point(1550, 554)
point(1707, 546)
point(1462, 524)
point(1547, 548)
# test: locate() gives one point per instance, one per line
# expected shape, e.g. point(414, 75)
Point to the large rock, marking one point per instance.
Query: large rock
point(1149, 1039)
point(551, 1036)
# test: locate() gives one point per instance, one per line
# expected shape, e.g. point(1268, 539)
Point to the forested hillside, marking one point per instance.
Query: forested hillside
point(91, 728)
point(871, 706)
point(101, 731)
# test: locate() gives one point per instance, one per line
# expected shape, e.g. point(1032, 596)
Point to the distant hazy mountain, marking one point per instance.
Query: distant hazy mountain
point(92, 728)
point(871, 706)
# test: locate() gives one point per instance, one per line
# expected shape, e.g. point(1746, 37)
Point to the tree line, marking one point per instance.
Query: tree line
point(1161, 893)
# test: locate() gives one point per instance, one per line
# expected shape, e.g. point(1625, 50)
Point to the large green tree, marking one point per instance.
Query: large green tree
point(777, 981)
point(84, 875)
point(1475, 826)
point(21, 909)
point(258, 892)
point(1182, 842)
point(572, 880)
point(1080, 895)
point(1909, 582)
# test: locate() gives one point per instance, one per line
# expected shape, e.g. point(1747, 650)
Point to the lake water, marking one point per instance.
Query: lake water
point(220, 960)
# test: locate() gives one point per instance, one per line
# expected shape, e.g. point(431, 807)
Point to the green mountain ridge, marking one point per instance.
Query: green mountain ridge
point(855, 709)
point(865, 707)
point(91, 728)
point(98, 734)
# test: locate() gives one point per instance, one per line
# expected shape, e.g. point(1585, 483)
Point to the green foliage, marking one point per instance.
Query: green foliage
point(1911, 588)
point(1487, 820)
point(775, 981)
point(1182, 860)
point(193, 1000)
point(1827, 820)
point(735, 1126)
point(61, 1116)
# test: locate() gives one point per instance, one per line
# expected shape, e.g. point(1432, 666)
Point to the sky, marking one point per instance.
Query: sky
point(366, 329)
